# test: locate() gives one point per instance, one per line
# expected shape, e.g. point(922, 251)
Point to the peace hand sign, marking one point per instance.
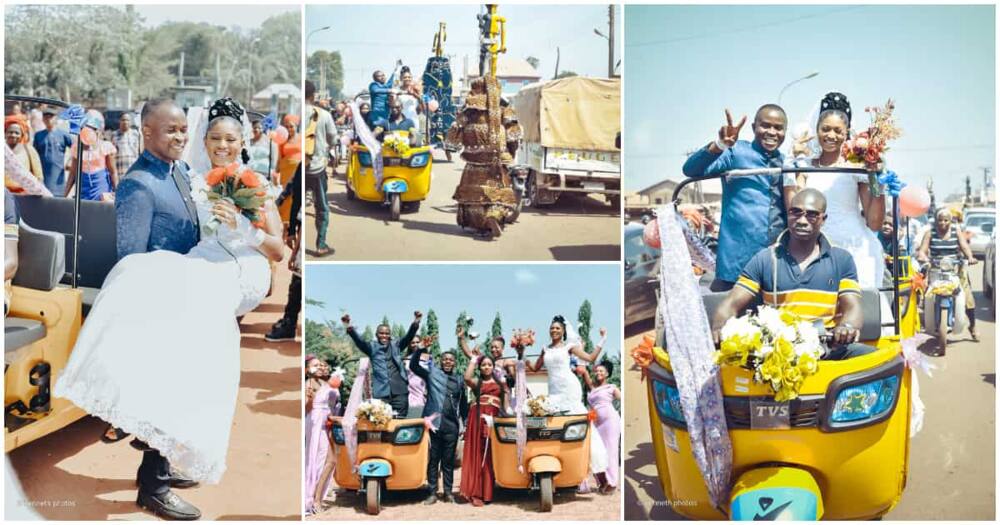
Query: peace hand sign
point(801, 146)
point(730, 133)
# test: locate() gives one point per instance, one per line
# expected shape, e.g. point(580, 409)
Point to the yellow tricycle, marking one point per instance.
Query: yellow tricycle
point(838, 451)
point(556, 454)
point(406, 174)
point(390, 457)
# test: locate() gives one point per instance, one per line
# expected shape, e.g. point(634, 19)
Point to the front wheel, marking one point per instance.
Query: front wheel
point(350, 194)
point(395, 206)
point(942, 333)
point(373, 496)
point(545, 492)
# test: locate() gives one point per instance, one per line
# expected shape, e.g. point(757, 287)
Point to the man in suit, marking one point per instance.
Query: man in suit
point(446, 397)
point(389, 377)
point(154, 211)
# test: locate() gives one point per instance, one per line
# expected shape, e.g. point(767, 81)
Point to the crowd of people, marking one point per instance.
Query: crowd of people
point(460, 405)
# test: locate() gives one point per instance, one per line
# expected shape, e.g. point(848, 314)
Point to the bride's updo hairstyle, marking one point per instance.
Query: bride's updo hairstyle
point(835, 104)
point(227, 110)
point(562, 322)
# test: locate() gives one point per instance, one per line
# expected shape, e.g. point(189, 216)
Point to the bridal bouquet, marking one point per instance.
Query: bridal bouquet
point(522, 338)
point(397, 143)
point(538, 406)
point(868, 146)
point(781, 349)
point(375, 411)
point(242, 187)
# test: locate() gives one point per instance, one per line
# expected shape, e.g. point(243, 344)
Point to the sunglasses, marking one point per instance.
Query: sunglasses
point(811, 215)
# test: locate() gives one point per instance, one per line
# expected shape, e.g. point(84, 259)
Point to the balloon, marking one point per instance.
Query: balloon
point(914, 201)
point(88, 136)
point(335, 382)
point(432, 105)
point(651, 234)
point(280, 135)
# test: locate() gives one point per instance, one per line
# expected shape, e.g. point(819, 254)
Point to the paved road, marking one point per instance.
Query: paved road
point(507, 505)
point(952, 460)
point(91, 480)
point(577, 228)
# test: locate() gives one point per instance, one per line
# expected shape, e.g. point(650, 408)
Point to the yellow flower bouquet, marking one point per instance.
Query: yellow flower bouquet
point(396, 143)
point(780, 348)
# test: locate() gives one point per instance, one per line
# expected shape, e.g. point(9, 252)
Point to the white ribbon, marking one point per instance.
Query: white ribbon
point(916, 360)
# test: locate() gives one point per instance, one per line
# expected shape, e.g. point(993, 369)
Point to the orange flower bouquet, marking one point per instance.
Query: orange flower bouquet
point(241, 187)
point(522, 338)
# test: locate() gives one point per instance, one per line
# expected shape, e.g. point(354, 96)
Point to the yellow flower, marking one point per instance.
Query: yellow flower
point(792, 376)
point(808, 364)
point(784, 348)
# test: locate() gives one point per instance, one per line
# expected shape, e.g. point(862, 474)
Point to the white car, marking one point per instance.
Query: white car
point(975, 219)
point(989, 270)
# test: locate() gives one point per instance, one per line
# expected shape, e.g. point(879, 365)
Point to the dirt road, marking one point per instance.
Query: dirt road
point(508, 505)
point(952, 460)
point(82, 478)
point(577, 228)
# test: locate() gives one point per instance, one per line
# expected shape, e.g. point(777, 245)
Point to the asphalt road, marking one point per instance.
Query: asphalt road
point(952, 460)
point(71, 475)
point(577, 228)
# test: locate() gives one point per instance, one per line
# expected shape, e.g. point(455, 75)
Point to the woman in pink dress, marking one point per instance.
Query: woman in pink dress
point(317, 443)
point(601, 399)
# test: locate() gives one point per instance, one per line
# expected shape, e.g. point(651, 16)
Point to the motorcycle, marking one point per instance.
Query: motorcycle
point(944, 304)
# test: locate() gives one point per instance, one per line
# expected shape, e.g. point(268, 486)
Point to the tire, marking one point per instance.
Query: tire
point(350, 194)
point(942, 334)
point(545, 492)
point(411, 207)
point(373, 496)
point(616, 201)
point(395, 205)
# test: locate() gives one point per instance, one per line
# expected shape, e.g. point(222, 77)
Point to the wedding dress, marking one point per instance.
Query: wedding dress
point(159, 354)
point(566, 395)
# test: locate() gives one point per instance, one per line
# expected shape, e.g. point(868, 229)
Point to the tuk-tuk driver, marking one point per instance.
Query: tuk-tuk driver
point(815, 280)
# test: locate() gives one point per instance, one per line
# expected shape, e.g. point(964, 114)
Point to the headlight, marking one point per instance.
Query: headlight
point(365, 158)
point(668, 403)
point(338, 434)
point(420, 160)
point(575, 432)
point(866, 401)
point(506, 433)
point(408, 435)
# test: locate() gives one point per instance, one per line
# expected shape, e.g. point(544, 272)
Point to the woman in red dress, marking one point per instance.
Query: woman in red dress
point(477, 460)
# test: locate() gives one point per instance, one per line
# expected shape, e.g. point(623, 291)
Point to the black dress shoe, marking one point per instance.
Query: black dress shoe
point(177, 480)
point(168, 505)
point(448, 498)
point(432, 499)
point(141, 446)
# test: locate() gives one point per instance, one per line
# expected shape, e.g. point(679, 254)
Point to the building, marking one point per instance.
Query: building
point(642, 202)
point(285, 98)
point(512, 73)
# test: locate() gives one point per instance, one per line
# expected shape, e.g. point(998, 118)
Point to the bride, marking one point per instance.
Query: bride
point(565, 393)
point(159, 354)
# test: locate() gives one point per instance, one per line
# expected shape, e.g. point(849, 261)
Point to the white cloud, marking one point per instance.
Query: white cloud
point(525, 276)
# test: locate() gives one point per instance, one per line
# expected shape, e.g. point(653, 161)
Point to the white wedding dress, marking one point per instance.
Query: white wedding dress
point(566, 395)
point(159, 354)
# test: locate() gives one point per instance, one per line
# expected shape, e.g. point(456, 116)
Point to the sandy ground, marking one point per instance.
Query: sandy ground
point(952, 471)
point(508, 505)
point(86, 479)
point(577, 228)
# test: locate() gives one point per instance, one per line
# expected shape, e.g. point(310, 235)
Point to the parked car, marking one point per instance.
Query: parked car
point(641, 271)
point(989, 268)
point(975, 219)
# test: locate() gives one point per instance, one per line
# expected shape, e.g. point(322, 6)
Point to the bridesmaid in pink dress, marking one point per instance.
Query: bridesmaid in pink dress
point(601, 398)
point(317, 444)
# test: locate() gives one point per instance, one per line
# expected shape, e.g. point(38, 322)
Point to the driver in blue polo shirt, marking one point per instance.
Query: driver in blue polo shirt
point(804, 274)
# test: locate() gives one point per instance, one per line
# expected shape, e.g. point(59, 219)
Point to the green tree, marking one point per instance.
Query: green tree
point(497, 329)
point(584, 318)
point(533, 61)
point(431, 329)
point(331, 63)
point(564, 74)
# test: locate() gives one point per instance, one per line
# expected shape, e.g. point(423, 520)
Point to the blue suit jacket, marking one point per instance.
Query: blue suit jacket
point(153, 208)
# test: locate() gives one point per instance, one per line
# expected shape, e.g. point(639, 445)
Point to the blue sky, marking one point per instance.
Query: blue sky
point(527, 296)
point(373, 37)
point(685, 65)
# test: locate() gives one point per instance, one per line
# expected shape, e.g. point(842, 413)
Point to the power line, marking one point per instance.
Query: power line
point(742, 29)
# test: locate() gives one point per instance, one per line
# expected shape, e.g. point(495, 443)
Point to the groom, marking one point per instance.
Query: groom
point(390, 382)
point(154, 211)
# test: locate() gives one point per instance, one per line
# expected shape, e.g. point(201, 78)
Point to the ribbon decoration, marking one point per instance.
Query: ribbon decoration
point(75, 115)
point(269, 122)
point(488, 419)
point(368, 139)
point(688, 342)
point(916, 360)
point(520, 398)
point(431, 422)
point(350, 421)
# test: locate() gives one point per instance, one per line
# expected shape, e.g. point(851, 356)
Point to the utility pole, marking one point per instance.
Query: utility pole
point(180, 70)
point(556, 74)
point(322, 75)
point(611, 41)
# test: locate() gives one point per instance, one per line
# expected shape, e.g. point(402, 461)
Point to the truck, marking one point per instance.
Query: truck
point(571, 128)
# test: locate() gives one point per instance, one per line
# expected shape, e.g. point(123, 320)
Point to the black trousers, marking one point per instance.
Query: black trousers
point(316, 183)
point(154, 473)
point(400, 403)
point(294, 305)
point(442, 455)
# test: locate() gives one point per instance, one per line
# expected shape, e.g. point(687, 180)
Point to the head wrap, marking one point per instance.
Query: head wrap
point(290, 119)
point(22, 122)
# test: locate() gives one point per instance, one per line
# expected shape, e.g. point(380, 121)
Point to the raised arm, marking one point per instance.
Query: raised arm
point(587, 381)
point(362, 345)
point(470, 374)
point(712, 158)
point(134, 206)
point(539, 363)
point(415, 367)
point(469, 352)
point(592, 356)
point(412, 332)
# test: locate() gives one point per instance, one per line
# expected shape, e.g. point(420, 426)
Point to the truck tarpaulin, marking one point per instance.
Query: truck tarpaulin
point(573, 112)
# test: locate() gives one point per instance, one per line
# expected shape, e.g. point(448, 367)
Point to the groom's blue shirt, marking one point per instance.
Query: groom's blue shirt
point(151, 210)
point(753, 208)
